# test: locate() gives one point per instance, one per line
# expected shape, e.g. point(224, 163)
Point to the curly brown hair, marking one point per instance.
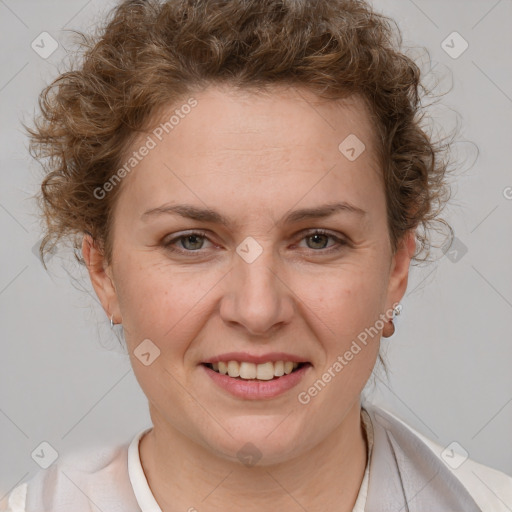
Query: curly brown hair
point(150, 54)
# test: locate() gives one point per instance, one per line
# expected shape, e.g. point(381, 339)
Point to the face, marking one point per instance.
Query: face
point(250, 275)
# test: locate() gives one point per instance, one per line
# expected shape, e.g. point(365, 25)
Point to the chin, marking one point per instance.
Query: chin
point(260, 440)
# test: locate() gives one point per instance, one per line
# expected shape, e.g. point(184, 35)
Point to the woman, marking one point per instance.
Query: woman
point(246, 183)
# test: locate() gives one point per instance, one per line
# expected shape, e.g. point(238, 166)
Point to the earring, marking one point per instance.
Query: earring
point(111, 321)
point(389, 328)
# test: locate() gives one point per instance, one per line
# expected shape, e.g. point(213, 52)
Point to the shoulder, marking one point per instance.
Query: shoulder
point(15, 501)
point(98, 474)
point(490, 488)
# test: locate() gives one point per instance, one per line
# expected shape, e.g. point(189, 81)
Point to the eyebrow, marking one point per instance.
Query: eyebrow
point(209, 215)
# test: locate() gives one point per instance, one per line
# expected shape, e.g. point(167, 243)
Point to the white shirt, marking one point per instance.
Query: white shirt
point(491, 489)
point(142, 491)
point(147, 502)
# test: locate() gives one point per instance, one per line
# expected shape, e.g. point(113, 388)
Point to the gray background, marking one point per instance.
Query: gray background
point(62, 378)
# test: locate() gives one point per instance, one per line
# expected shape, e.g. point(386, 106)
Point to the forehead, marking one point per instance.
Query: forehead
point(241, 142)
point(275, 118)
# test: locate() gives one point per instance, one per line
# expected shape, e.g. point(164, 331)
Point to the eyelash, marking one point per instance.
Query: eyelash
point(339, 241)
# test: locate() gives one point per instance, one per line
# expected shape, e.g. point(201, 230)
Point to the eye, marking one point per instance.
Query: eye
point(193, 242)
point(318, 238)
point(190, 242)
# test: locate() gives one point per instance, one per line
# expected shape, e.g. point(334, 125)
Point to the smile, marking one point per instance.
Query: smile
point(251, 371)
point(256, 381)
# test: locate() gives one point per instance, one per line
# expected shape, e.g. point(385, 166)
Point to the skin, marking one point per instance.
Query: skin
point(253, 158)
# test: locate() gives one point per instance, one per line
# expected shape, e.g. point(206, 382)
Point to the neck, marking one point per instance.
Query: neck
point(183, 475)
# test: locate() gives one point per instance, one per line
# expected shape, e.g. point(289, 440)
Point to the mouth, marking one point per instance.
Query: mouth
point(263, 378)
point(246, 371)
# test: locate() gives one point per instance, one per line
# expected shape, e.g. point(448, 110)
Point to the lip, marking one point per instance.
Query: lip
point(256, 359)
point(252, 389)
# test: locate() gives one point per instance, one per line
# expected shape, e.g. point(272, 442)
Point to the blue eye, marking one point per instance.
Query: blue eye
point(193, 242)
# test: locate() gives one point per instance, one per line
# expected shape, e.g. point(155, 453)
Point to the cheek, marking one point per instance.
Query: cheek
point(161, 300)
point(157, 298)
point(344, 301)
point(145, 296)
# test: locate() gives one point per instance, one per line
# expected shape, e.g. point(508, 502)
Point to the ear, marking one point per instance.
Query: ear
point(101, 277)
point(399, 269)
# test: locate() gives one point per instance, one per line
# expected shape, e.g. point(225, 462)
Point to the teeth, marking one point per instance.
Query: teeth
point(288, 367)
point(247, 370)
point(279, 368)
point(233, 369)
point(264, 371)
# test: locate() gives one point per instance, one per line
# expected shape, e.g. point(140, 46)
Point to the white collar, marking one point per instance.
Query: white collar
point(141, 489)
point(147, 502)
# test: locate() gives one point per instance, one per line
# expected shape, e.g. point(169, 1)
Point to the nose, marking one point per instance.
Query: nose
point(258, 300)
